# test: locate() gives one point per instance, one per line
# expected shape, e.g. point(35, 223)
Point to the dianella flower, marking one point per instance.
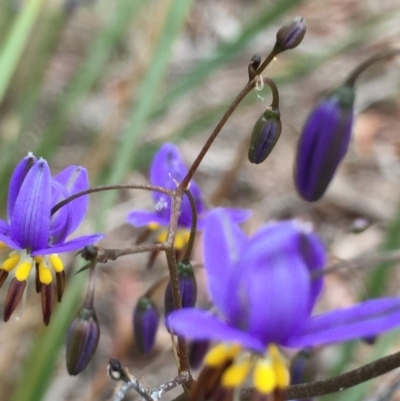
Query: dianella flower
point(33, 236)
point(323, 143)
point(264, 289)
point(167, 171)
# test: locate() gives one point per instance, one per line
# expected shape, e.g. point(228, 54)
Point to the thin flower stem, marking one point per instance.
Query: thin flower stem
point(193, 228)
point(275, 93)
point(251, 84)
point(103, 188)
point(386, 54)
point(113, 254)
point(182, 378)
point(91, 285)
point(361, 262)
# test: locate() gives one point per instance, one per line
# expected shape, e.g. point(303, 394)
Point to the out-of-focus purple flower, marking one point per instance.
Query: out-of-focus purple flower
point(167, 171)
point(323, 143)
point(265, 135)
point(145, 324)
point(34, 235)
point(264, 293)
point(82, 339)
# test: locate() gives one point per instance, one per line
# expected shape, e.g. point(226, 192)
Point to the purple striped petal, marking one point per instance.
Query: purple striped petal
point(222, 242)
point(196, 324)
point(4, 227)
point(17, 178)
point(363, 320)
point(73, 245)
point(142, 218)
point(61, 220)
point(31, 215)
point(273, 284)
point(9, 242)
point(75, 179)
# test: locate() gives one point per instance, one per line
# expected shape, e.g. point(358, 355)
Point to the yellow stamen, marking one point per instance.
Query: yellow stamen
point(45, 276)
point(56, 262)
point(221, 353)
point(236, 374)
point(181, 238)
point(282, 376)
point(11, 262)
point(38, 259)
point(162, 236)
point(264, 376)
point(23, 270)
point(153, 226)
point(3, 245)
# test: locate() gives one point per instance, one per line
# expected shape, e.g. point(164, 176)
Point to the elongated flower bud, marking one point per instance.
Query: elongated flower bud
point(145, 324)
point(187, 288)
point(265, 135)
point(291, 34)
point(323, 143)
point(82, 339)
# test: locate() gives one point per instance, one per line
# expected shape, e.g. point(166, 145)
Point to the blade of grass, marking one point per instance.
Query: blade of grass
point(16, 42)
point(147, 95)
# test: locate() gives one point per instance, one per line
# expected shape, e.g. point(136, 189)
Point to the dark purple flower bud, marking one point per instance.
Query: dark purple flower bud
point(145, 324)
point(323, 143)
point(82, 339)
point(265, 135)
point(196, 352)
point(187, 288)
point(291, 34)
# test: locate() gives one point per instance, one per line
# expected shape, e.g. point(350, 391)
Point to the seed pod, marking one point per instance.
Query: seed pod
point(291, 34)
point(323, 143)
point(265, 135)
point(82, 339)
point(145, 324)
point(187, 288)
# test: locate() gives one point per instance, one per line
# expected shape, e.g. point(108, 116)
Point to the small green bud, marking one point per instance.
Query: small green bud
point(265, 135)
point(291, 34)
point(82, 339)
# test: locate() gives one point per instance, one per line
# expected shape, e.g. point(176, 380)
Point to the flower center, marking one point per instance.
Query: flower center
point(228, 366)
point(181, 236)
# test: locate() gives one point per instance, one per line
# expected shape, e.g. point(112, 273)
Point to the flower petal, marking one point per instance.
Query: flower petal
point(31, 215)
point(272, 284)
point(72, 245)
point(236, 215)
point(198, 324)
point(363, 320)
point(222, 242)
point(9, 242)
point(141, 218)
point(167, 171)
point(75, 179)
point(4, 227)
point(17, 178)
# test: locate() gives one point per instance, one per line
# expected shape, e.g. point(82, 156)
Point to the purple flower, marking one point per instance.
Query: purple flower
point(34, 235)
point(167, 171)
point(323, 143)
point(264, 293)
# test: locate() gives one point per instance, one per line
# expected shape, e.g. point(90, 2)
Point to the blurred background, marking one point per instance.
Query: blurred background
point(103, 83)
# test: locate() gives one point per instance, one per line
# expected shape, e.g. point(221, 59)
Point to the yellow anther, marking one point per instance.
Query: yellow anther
point(45, 276)
point(264, 376)
point(24, 270)
point(280, 367)
point(3, 245)
point(236, 374)
point(153, 226)
point(181, 239)
point(11, 262)
point(56, 262)
point(221, 353)
point(162, 236)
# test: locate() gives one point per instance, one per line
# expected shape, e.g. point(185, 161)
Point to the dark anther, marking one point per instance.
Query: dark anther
point(116, 371)
point(254, 64)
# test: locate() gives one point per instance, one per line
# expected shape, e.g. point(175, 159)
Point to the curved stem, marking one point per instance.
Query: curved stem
point(193, 228)
point(387, 54)
point(103, 188)
point(275, 93)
